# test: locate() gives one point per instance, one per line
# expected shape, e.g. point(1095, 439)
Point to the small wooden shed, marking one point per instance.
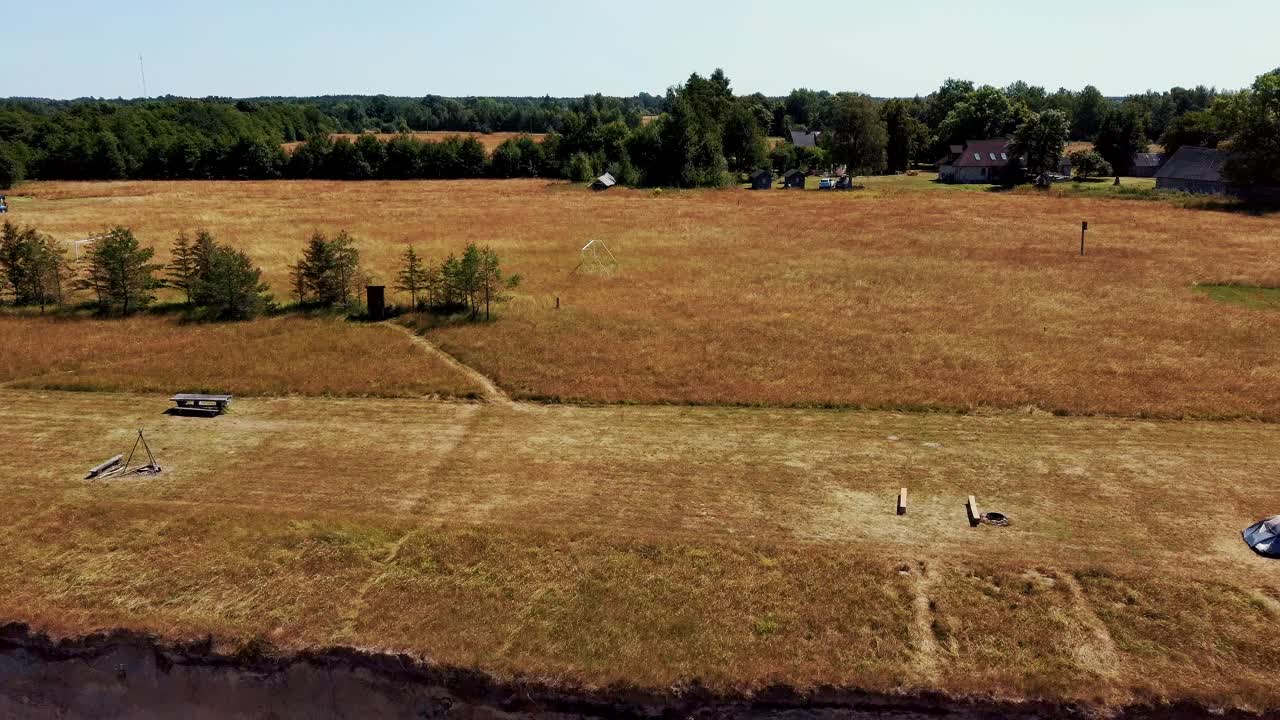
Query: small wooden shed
point(794, 179)
point(761, 180)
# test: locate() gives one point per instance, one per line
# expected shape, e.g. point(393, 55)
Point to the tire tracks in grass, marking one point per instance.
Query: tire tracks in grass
point(1097, 650)
point(923, 637)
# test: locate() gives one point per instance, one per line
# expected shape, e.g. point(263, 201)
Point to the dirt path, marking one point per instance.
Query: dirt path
point(490, 391)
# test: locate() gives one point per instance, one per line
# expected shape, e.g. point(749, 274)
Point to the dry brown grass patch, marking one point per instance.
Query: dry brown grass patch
point(273, 356)
point(884, 298)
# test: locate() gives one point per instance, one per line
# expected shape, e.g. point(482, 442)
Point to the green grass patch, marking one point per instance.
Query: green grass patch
point(1250, 296)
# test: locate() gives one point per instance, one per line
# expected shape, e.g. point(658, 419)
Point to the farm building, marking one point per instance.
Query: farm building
point(804, 138)
point(794, 179)
point(1199, 170)
point(604, 182)
point(1195, 170)
point(761, 180)
point(977, 161)
point(1145, 164)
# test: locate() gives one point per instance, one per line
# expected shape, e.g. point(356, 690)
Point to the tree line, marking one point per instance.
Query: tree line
point(221, 282)
point(700, 133)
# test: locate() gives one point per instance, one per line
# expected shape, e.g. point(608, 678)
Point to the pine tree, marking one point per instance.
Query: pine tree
point(232, 289)
point(182, 267)
point(411, 277)
point(120, 272)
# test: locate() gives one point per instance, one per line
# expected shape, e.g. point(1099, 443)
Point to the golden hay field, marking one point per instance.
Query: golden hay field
point(655, 546)
point(652, 546)
point(275, 356)
point(891, 297)
point(490, 141)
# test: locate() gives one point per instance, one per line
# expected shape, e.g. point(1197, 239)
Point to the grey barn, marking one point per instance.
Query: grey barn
point(1145, 164)
point(1199, 170)
point(805, 139)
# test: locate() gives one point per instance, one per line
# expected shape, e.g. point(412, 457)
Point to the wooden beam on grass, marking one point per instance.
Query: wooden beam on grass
point(902, 501)
point(975, 516)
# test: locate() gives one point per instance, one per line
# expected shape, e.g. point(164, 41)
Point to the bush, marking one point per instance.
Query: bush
point(580, 168)
point(1085, 163)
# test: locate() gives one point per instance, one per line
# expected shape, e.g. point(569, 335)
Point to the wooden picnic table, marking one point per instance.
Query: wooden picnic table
point(201, 404)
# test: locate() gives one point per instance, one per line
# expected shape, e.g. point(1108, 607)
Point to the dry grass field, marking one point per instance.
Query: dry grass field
point(655, 546)
point(653, 543)
point(891, 297)
point(276, 356)
point(489, 140)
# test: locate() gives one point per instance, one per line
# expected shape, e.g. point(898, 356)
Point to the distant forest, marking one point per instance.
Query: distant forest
point(698, 134)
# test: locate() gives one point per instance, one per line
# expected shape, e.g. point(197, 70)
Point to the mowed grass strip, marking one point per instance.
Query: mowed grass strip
point(659, 546)
point(270, 356)
point(892, 297)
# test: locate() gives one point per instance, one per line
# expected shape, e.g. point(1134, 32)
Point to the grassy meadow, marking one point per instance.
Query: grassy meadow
point(670, 536)
point(655, 546)
point(272, 356)
point(904, 295)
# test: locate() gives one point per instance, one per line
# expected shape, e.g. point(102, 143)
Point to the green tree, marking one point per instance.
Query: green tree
point(33, 266)
point(1086, 163)
point(182, 269)
point(412, 276)
point(1120, 135)
point(985, 113)
point(580, 168)
point(492, 280)
point(943, 100)
point(907, 136)
point(328, 271)
point(1256, 144)
point(1040, 140)
point(1198, 128)
point(232, 288)
point(120, 272)
point(743, 142)
point(1088, 109)
point(12, 168)
point(856, 135)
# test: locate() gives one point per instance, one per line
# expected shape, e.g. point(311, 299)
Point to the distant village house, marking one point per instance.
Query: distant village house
point(977, 161)
point(794, 179)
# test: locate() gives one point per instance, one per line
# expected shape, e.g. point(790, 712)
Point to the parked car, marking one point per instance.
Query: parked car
point(826, 183)
point(4, 207)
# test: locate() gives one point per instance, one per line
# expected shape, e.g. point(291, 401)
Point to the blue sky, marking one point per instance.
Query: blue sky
point(53, 48)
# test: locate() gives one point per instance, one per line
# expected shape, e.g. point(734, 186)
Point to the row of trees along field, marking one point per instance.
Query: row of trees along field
point(699, 134)
point(220, 282)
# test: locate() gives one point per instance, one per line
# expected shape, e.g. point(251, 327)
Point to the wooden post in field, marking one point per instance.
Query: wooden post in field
point(557, 302)
point(975, 517)
point(902, 501)
point(1084, 225)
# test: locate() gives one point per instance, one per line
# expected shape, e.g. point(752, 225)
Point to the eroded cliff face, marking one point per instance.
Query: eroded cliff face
point(126, 675)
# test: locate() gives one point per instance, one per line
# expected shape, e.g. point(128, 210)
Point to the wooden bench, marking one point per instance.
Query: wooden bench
point(198, 404)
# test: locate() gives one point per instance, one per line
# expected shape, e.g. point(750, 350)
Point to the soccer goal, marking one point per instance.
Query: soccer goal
point(596, 257)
